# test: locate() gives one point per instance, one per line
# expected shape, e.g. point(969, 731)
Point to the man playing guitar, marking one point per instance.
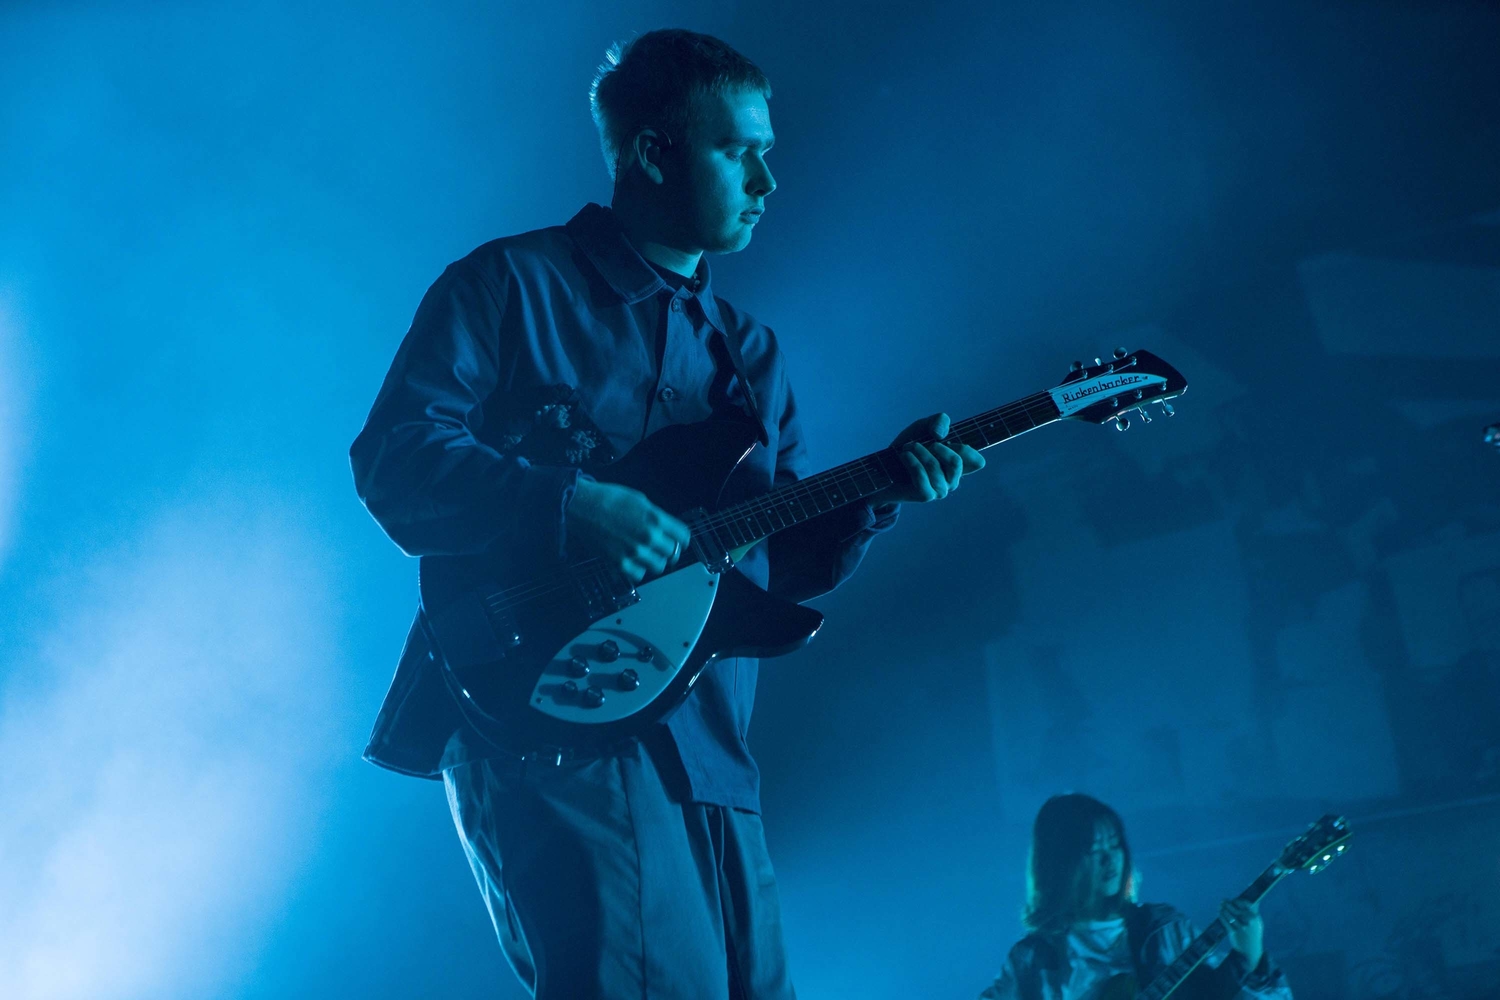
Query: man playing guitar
point(533, 361)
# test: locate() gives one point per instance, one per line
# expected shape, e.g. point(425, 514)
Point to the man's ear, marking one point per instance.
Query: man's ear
point(647, 150)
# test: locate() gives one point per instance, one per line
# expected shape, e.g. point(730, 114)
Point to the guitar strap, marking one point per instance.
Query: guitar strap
point(1136, 930)
point(738, 363)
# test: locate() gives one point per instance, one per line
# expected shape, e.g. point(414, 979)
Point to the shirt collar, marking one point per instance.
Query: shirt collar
point(597, 233)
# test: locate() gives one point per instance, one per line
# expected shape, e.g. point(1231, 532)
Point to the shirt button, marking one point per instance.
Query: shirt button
point(677, 305)
point(667, 394)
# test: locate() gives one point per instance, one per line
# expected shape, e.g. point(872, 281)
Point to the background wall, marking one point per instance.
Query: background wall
point(217, 221)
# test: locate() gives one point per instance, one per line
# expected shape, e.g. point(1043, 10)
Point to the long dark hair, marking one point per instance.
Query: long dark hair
point(1057, 891)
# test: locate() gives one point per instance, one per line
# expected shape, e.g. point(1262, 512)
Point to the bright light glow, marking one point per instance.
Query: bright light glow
point(165, 738)
point(12, 419)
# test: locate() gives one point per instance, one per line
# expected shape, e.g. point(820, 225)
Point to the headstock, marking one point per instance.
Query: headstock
point(1108, 390)
point(1316, 849)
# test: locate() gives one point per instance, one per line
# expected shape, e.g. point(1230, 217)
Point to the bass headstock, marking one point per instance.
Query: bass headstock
point(1110, 390)
point(1319, 847)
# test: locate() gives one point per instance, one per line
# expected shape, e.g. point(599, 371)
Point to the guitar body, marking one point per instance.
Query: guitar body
point(570, 658)
point(559, 659)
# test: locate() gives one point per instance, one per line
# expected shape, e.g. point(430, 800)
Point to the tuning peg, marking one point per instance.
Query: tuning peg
point(1098, 361)
point(1122, 423)
point(1077, 366)
point(1146, 417)
point(1166, 408)
point(1120, 352)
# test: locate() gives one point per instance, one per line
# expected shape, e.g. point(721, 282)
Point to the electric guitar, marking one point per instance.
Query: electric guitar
point(569, 659)
point(1315, 850)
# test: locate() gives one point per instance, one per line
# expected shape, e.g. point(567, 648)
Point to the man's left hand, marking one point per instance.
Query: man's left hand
point(934, 468)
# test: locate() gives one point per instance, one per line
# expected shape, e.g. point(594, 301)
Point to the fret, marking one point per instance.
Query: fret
point(748, 522)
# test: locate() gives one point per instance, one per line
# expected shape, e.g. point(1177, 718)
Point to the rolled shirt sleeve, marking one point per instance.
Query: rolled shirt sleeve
point(419, 466)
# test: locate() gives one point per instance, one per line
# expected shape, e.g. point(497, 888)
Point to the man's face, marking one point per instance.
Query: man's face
point(724, 178)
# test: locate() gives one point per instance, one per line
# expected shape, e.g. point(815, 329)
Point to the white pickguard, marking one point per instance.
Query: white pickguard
point(669, 619)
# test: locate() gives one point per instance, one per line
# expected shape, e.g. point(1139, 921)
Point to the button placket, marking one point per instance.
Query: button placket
point(686, 368)
point(668, 393)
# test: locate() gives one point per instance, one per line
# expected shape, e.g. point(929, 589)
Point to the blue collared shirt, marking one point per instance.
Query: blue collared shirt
point(574, 310)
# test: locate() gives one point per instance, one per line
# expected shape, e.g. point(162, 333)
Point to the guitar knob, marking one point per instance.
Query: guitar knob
point(578, 667)
point(609, 651)
point(645, 654)
point(592, 697)
point(628, 680)
point(569, 690)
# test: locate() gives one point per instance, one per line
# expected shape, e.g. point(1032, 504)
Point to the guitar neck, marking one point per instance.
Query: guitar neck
point(1193, 955)
point(743, 524)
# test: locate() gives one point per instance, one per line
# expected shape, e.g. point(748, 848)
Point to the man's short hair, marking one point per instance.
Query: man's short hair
point(652, 81)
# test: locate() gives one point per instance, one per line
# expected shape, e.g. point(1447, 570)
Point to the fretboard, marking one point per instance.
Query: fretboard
point(1193, 955)
point(745, 523)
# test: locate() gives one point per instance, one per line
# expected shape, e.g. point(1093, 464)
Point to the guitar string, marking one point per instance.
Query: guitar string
point(958, 429)
point(796, 492)
point(771, 505)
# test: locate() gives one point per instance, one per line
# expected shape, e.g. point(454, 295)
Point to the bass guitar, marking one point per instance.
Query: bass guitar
point(1315, 850)
point(568, 659)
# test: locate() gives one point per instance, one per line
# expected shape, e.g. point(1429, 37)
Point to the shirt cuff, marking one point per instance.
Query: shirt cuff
point(1236, 965)
point(548, 489)
point(859, 518)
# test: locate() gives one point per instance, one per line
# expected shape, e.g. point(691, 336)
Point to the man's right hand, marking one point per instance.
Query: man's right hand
point(631, 533)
